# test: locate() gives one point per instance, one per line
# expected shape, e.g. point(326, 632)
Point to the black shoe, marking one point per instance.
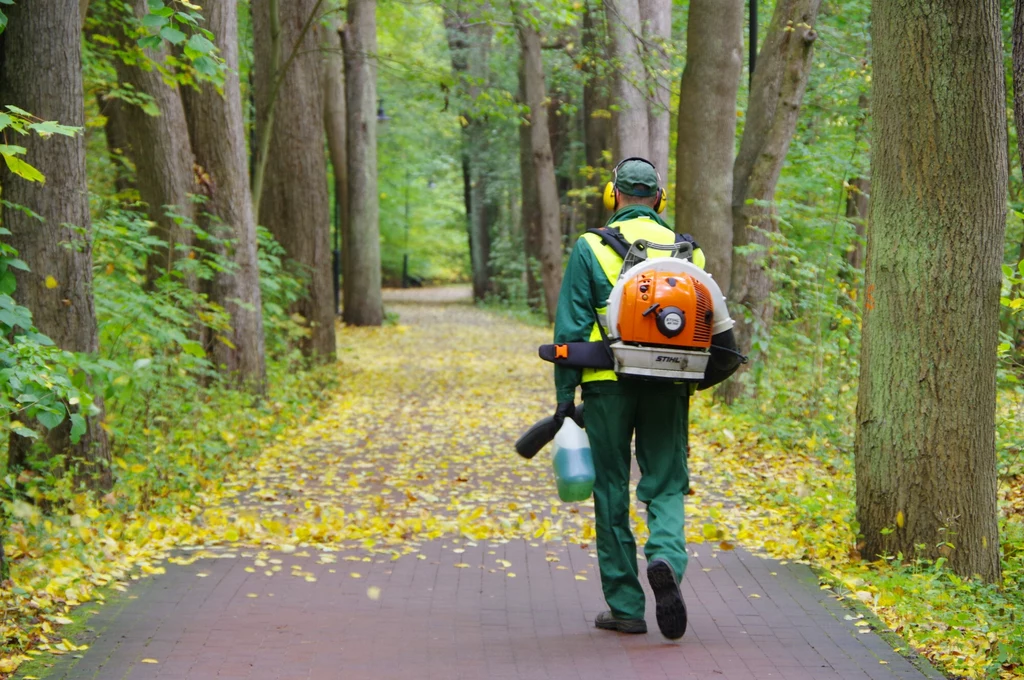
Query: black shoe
point(607, 621)
point(670, 606)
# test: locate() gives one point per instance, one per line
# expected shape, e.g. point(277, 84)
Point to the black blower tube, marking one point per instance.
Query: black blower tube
point(724, 360)
point(541, 432)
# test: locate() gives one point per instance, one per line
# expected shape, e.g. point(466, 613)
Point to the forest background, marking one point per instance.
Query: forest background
point(455, 192)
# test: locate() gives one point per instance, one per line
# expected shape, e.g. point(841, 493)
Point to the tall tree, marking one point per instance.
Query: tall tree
point(776, 93)
point(597, 129)
point(707, 130)
point(925, 449)
point(656, 22)
point(159, 147)
point(549, 241)
point(217, 132)
point(857, 212)
point(332, 39)
point(294, 205)
point(530, 207)
point(1018, 76)
point(41, 72)
point(363, 303)
point(632, 130)
point(469, 41)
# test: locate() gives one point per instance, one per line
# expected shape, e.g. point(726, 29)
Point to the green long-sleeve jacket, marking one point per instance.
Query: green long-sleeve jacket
point(585, 288)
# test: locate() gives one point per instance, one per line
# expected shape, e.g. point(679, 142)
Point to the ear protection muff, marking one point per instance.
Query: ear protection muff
point(660, 201)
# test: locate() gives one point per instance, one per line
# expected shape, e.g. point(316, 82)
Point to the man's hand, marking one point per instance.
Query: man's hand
point(566, 409)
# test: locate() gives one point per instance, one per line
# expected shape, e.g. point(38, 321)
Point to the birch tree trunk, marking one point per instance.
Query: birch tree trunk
point(363, 304)
point(777, 90)
point(160, 148)
point(41, 72)
point(549, 240)
point(294, 204)
point(707, 130)
point(332, 38)
point(217, 131)
point(632, 130)
point(925, 449)
point(656, 20)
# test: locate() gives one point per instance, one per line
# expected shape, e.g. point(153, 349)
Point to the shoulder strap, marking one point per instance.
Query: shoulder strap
point(686, 238)
point(612, 238)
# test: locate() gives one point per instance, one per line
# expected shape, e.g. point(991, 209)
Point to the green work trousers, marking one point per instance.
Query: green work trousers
point(658, 413)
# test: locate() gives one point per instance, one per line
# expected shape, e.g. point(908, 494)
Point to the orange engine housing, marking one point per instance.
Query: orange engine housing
point(671, 292)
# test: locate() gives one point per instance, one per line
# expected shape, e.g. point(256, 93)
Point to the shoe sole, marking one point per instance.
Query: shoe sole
point(628, 628)
point(671, 610)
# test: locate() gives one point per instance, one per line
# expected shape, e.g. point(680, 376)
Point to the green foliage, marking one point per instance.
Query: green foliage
point(420, 171)
point(22, 122)
point(169, 38)
point(39, 382)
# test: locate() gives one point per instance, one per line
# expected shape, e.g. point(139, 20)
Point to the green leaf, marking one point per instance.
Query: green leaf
point(193, 348)
point(21, 112)
point(5, 121)
point(50, 419)
point(7, 283)
point(52, 127)
point(200, 44)
point(206, 66)
point(78, 427)
point(154, 21)
point(150, 42)
point(15, 263)
point(156, 5)
point(6, 2)
point(23, 169)
point(3, 22)
point(25, 432)
point(172, 35)
point(12, 150)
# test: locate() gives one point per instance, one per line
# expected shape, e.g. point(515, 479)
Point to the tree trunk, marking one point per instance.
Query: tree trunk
point(469, 42)
point(707, 130)
point(656, 20)
point(1018, 76)
point(596, 107)
point(530, 211)
point(857, 212)
point(332, 38)
point(777, 90)
point(925, 449)
point(363, 304)
point(632, 132)
point(217, 131)
point(160, 149)
point(549, 236)
point(41, 72)
point(476, 138)
point(294, 204)
point(116, 136)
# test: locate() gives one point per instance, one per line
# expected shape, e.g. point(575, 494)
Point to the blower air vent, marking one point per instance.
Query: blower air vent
point(705, 313)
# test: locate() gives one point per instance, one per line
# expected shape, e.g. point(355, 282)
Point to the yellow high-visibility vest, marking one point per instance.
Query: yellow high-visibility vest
point(611, 264)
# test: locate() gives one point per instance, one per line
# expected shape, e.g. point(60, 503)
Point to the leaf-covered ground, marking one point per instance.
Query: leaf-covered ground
point(416, 444)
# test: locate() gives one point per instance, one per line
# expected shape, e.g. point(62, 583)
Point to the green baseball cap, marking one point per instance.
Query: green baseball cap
point(637, 178)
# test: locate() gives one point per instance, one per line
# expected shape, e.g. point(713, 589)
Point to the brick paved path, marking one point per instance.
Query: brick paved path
point(433, 620)
point(422, 617)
